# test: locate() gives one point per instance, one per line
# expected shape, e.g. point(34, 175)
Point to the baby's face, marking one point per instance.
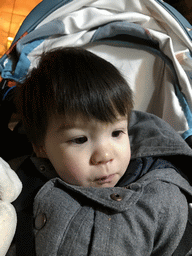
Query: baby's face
point(88, 153)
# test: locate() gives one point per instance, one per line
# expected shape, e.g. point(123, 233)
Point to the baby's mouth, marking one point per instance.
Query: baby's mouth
point(105, 179)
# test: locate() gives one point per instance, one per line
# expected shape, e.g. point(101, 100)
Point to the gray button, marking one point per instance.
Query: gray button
point(40, 221)
point(116, 197)
point(134, 186)
point(42, 168)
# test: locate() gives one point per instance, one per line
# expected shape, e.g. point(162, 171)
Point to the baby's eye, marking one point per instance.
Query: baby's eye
point(117, 133)
point(79, 140)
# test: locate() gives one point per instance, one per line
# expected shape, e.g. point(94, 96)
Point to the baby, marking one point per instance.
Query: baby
point(75, 110)
point(85, 192)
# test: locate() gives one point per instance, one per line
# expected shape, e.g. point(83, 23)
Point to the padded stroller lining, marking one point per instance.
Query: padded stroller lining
point(150, 79)
point(84, 23)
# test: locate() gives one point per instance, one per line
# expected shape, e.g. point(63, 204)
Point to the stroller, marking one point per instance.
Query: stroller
point(139, 36)
point(148, 38)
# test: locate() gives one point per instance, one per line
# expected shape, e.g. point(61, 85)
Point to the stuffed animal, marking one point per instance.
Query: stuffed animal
point(10, 188)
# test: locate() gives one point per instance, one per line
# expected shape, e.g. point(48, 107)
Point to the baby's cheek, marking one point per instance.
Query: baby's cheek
point(70, 173)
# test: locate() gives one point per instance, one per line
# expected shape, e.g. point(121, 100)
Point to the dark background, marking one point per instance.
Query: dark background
point(183, 6)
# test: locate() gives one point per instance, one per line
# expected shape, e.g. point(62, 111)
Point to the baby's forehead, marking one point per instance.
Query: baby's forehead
point(61, 122)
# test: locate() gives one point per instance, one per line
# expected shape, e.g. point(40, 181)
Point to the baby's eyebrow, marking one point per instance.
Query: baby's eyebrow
point(64, 127)
point(80, 124)
point(121, 119)
point(70, 125)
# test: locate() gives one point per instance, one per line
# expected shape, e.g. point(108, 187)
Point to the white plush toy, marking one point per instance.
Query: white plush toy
point(10, 188)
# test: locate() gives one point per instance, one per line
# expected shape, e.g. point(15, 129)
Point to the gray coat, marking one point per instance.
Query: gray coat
point(150, 216)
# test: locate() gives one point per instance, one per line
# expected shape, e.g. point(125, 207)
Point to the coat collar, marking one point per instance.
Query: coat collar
point(118, 199)
point(151, 136)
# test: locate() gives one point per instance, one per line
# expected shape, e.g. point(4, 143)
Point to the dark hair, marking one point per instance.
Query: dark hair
point(71, 81)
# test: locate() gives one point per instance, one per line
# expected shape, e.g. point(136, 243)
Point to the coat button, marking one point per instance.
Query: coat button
point(40, 221)
point(134, 186)
point(42, 168)
point(116, 197)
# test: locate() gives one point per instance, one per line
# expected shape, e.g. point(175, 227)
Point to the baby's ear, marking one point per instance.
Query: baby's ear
point(39, 151)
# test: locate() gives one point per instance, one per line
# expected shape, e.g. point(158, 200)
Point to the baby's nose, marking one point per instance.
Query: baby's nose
point(102, 156)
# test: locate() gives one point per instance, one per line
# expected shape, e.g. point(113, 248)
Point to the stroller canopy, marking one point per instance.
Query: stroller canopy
point(147, 40)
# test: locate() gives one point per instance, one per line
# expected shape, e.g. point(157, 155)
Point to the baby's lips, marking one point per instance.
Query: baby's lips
point(10, 185)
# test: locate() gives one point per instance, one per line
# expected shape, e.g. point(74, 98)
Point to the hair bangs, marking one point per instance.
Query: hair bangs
point(92, 87)
point(104, 105)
